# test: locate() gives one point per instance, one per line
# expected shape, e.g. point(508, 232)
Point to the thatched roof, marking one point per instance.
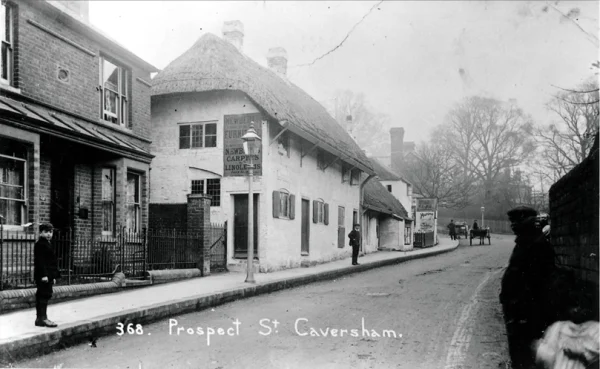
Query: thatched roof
point(215, 64)
point(379, 199)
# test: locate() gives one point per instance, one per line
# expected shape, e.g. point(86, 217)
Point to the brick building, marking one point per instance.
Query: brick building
point(74, 123)
point(310, 172)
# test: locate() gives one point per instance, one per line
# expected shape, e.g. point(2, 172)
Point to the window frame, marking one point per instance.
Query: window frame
point(24, 198)
point(190, 126)
point(8, 43)
point(137, 203)
point(204, 190)
point(346, 175)
point(354, 180)
point(123, 100)
point(320, 211)
point(113, 201)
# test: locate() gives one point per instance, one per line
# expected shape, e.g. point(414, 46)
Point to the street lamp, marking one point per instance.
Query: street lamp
point(251, 148)
point(482, 210)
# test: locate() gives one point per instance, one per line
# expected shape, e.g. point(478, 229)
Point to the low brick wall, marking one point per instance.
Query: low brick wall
point(574, 227)
point(11, 300)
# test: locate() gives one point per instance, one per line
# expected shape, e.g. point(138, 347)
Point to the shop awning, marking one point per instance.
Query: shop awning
point(40, 119)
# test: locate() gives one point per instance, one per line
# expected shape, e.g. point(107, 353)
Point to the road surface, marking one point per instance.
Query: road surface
point(440, 312)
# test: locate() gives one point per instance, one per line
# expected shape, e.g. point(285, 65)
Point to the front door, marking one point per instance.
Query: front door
point(240, 226)
point(305, 226)
point(61, 208)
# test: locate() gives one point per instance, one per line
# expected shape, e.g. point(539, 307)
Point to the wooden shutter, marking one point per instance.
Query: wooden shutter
point(315, 212)
point(292, 206)
point(326, 214)
point(276, 204)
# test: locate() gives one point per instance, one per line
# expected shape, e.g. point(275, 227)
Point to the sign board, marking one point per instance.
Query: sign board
point(234, 159)
point(425, 221)
point(426, 204)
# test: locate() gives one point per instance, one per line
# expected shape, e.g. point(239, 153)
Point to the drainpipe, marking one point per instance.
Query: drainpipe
point(360, 207)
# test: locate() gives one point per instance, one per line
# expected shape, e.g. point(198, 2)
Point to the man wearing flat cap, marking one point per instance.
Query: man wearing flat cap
point(525, 289)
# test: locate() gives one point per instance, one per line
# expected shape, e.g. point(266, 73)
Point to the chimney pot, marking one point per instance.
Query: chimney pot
point(277, 60)
point(233, 31)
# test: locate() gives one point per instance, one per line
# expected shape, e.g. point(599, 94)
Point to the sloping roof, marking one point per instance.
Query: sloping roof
point(215, 64)
point(384, 173)
point(45, 120)
point(379, 199)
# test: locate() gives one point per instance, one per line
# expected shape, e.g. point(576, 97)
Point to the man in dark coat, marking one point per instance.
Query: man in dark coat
point(475, 225)
point(354, 237)
point(45, 272)
point(452, 229)
point(524, 291)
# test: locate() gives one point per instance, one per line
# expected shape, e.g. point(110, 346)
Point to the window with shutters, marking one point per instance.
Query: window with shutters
point(320, 212)
point(283, 204)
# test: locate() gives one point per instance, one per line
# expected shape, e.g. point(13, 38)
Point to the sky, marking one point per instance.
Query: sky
point(412, 60)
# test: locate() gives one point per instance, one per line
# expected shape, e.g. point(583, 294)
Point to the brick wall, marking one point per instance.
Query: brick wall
point(39, 52)
point(574, 223)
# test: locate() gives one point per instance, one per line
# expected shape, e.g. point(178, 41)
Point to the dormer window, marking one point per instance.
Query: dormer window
point(6, 38)
point(114, 100)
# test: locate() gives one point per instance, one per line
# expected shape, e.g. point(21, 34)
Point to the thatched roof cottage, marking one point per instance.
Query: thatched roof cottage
point(203, 102)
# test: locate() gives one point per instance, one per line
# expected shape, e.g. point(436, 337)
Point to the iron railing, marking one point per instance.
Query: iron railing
point(82, 259)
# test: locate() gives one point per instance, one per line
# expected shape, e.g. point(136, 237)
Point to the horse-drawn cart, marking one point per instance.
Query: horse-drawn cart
point(482, 234)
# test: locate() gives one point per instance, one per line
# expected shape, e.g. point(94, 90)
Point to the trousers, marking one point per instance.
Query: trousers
point(42, 296)
point(355, 249)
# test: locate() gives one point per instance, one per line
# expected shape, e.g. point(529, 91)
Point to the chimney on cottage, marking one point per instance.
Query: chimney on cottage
point(397, 149)
point(233, 31)
point(277, 60)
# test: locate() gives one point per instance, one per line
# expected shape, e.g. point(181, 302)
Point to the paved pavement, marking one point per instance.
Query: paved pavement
point(80, 320)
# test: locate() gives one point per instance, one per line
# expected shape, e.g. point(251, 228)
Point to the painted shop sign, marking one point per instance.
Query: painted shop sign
point(234, 160)
point(427, 204)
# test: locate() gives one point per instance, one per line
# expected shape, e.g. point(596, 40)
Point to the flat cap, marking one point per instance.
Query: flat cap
point(521, 212)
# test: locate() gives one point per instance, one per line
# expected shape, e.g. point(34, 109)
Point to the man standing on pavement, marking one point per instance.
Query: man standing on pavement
point(524, 290)
point(452, 229)
point(354, 237)
point(45, 272)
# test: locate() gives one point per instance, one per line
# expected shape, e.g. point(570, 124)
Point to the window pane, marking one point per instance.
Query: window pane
point(283, 204)
point(110, 102)
point(133, 185)
point(5, 61)
point(110, 73)
point(184, 137)
point(108, 197)
point(124, 111)
point(197, 187)
point(123, 89)
point(4, 18)
point(211, 128)
point(211, 141)
point(213, 188)
point(197, 135)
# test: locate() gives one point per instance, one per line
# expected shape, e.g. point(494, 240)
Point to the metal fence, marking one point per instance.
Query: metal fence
point(424, 239)
point(218, 247)
point(82, 259)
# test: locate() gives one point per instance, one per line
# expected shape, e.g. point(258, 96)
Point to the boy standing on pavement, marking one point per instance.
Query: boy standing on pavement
point(354, 237)
point(45, 272)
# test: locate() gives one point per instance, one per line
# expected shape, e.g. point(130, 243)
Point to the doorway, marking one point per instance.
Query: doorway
point(305, 227)
point(240, 226)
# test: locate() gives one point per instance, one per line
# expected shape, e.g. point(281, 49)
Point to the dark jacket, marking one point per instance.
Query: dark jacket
point(354, 237)
point(45, 263)
point(452, 227)
point(475, 225)
point(525, 288)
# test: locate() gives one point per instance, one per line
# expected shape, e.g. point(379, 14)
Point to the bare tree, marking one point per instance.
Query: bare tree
point(486, 136)
point(434, 173)
point(567, 141)
point(370, 129)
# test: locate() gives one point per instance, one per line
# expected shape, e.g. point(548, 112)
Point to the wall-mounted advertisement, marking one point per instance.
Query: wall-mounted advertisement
point(234, 159)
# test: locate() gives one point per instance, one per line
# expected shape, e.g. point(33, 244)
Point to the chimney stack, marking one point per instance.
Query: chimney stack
point(233, 31)
point(277, 60)
point(397, 148)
